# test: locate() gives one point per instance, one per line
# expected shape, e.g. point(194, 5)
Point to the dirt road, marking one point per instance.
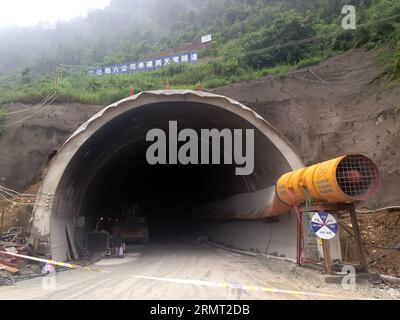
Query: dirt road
point(183, 270)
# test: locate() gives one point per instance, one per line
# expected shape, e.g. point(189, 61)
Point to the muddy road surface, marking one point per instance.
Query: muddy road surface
point(187, 270)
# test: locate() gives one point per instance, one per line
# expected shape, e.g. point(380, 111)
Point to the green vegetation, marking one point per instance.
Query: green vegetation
point(3, 116)
point(251, 38)
point(395, 66)
point(104, 90)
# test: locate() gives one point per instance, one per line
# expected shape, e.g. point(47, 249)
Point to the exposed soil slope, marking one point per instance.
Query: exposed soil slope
point(342, 109)
point(25, 147)
point(380, 232)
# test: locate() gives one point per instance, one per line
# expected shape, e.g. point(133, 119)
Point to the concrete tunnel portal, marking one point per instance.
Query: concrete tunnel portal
point(102, 169)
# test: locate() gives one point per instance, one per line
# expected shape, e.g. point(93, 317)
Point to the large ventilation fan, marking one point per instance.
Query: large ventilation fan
point(357, 176)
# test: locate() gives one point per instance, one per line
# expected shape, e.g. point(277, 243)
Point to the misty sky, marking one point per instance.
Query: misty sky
point(32, 12)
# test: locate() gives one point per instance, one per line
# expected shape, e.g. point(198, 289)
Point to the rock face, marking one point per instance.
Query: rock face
point(26, 147)
point(336, 107)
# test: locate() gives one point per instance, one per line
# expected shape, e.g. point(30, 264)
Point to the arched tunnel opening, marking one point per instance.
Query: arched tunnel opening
point(108, 178)
point(111, 176)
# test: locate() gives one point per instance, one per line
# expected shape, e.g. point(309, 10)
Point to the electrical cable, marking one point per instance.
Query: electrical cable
point(54, 97)
point(279, 46)
point(323, 81)
point(22, 196)
point(19, 199)
point(311, 39)
point(16, 193)
point(15, 202)
point(377, 210)
point(34, 107)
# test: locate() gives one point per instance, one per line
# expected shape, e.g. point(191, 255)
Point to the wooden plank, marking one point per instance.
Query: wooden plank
point(8, 268)
point(11, 264)
point(71, 243)
point(327, 256)
point(68, 255)
point(298, 251)
point(4, 255)
point(359, 241)
point(326, 207)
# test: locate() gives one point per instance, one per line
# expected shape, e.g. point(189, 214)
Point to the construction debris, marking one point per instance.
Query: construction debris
point(10, 263)
point(16, 236)
point(8, 268)
point(15, 215)
point(381, 239)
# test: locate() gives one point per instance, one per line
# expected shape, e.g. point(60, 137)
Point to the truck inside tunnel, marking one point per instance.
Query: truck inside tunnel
point(108, 174)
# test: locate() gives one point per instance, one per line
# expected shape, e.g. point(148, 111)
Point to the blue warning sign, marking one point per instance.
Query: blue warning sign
point(324, 225)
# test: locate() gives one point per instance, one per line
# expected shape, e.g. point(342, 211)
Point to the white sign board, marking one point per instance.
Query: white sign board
point(146, 64)
point(206, 38)
point(324, 225)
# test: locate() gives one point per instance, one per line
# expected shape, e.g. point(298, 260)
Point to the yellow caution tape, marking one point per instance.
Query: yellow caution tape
point(52, 262)
point(238, 286)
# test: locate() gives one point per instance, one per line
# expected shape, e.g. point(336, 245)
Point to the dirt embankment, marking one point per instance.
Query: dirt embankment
point(337, 107)
point(380, 231)
point(25, 147)
point(15, 214)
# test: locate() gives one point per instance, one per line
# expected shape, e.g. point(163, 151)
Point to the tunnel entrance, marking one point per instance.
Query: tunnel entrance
point(166, 194)
point(101, 176)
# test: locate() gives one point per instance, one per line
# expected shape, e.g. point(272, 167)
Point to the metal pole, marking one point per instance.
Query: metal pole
point(300, 236)
point(359, 242)
point(298, 260)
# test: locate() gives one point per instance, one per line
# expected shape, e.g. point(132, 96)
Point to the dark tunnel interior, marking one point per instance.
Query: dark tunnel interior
point(109, 178)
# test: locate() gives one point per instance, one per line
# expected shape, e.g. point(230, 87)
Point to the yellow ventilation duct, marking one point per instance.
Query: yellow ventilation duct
point(342, 180)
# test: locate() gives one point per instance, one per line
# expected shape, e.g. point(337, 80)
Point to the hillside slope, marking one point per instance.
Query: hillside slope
point(27, 145)
point(351, 112)
point(348, 113)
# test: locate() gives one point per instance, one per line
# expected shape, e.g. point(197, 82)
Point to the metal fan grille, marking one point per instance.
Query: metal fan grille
point(357, 176)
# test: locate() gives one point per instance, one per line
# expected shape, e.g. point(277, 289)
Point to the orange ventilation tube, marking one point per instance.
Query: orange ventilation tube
point(342, 180)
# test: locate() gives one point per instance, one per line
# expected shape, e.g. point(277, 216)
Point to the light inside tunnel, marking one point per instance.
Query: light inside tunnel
point(109, 173)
